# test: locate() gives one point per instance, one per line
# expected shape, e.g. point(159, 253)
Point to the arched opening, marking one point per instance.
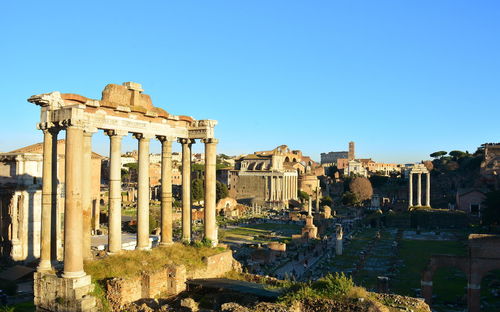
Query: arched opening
point(449, 290)
point(490, 291)
point(287, 159)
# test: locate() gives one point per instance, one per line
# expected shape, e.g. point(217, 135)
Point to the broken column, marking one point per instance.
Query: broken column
point(339, 234)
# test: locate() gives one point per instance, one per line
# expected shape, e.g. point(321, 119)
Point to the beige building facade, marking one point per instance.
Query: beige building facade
point(21, 201)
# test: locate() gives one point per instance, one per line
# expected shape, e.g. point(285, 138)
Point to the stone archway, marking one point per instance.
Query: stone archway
point(482, 257)
point(490, 290)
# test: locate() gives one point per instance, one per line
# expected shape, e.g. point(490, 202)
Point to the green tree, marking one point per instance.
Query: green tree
point(379, 180)
point(438, 154)
point(349, 198)
point(197, 191)
point(221, 191)
point(326, 201)
point(457, 154)
point(133, 166)
point(491, 212)
point(303, 196)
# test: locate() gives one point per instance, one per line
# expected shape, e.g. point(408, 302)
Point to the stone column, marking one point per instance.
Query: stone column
point(49, 136)
point(295, 195)
point(317, 199)
point(186, 188)
point(410, 190)
point(272, 188)
point(339, 235)
point(210, 188)
point(73, 237)
point(419, 189)
point(166, 191)
point(115, 189)
point(143, 193)
point(474, 297)
point(97, 214)
point(426, 287)
point(428, 190)
point(87, 193)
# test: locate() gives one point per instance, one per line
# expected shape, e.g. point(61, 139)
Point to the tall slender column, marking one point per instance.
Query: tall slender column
point(47, 199)
point(166, 191)
point(419, 189)
point(143, 193)
point(410, 190)
point(317, 199)
point(273, 189)
point(55, 238)
point(73, 257)
point(86, 193)
point(210, 188)
point(115, 189)
point(96, 213)
point(186, 188)
point(428, 190)
point(295, 187)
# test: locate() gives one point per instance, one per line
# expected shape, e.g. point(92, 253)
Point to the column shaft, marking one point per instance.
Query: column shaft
point(73, 257)
point(87, 194)
point(143, 194)
point(56, 233)
point(97, 213)
point(410, 191)
point(166, 191)
point(428, 190)
point(210, 189)
point(47, 176)
point(186, 189)
point(419, 190)
point(115, 199)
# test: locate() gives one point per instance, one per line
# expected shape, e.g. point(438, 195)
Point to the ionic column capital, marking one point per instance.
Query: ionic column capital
point(186, 141)
point(210, 141)
point(89, 131)
point(143, 136)
point(73, 123)
point(112, 132)
point(164, 138)
point(45, 125)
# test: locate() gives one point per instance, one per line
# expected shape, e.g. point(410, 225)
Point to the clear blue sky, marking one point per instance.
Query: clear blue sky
point(400, 78)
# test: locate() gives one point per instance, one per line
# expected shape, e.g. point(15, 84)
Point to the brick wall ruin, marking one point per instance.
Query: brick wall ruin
point(168, 281)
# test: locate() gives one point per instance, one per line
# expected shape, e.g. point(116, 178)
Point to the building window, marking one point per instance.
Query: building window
point(474, 209)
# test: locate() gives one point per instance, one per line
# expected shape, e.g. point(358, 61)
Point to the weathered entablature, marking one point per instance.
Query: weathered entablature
point(118, 110)
point(123, 109)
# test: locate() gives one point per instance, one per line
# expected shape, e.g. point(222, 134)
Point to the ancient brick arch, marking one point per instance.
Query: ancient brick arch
point(483, 257)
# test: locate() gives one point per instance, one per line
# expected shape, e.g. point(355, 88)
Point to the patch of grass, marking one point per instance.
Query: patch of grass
point(448, 283)
point(20, 307)
point(100, 294)
point(132, 263)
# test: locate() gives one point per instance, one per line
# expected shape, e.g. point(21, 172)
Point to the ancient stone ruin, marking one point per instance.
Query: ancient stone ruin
point(482, 257)
point(122, 109)
point(419, 169)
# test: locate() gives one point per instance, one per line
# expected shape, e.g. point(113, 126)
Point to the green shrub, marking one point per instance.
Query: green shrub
point(333, 285)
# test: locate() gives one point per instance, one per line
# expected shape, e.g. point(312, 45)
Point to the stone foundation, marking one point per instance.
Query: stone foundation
point(169, 281)
point(56, 294)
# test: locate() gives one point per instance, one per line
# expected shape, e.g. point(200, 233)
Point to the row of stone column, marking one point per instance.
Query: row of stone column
point(78, 205)
point(282, 187)
point(419, 190)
